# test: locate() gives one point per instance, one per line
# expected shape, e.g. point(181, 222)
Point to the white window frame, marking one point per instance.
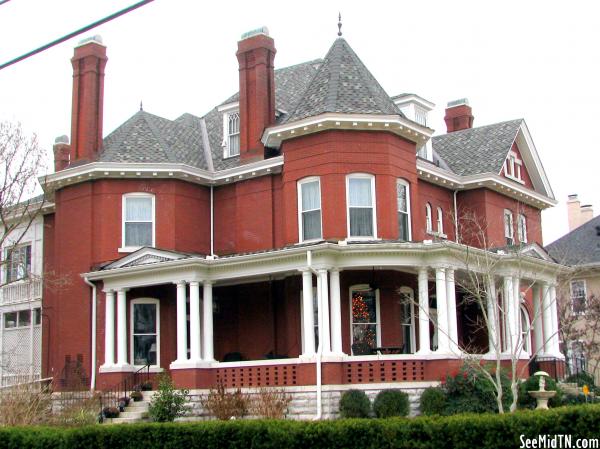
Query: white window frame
point(428, 219)
point(571, 296)
point(512, 167)
point(440, 221)
point(7, 262)
point(132, 303)
point(522, 228)
point(509, 227)
point(124, 247)
point(373, 207)
point(227, 113)
point(17, 313)
point(406, 184)
point(404, 290)
point(300, 211)
point(365, 287)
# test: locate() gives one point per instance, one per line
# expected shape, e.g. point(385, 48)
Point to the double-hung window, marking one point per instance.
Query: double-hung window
point(361, 206)
point(18, 262)
point(403, 195)
point(578, 296)
point(428, 218)
point(233, 134)
point(440, 221)
point(509, 232)
point(309, 205)
point(522, 228)
point(138, 220)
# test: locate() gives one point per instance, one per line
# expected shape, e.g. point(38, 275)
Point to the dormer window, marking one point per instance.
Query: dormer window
point(232, 147)
point(512, 167)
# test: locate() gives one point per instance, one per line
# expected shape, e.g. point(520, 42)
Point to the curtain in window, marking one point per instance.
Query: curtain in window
point(311, 210)
point(360, 199)
point(138, 221)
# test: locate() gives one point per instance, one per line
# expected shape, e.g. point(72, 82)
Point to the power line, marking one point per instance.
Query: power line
point(74, 33)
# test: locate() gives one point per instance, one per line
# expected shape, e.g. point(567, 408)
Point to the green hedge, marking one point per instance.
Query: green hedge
point(460, 431)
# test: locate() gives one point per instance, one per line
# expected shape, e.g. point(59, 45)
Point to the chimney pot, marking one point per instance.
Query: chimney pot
point(459, 115)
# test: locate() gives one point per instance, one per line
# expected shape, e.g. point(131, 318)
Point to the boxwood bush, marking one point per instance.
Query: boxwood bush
point(433, 401)
point(390, 403)
point(461, 431)
point(355, 404)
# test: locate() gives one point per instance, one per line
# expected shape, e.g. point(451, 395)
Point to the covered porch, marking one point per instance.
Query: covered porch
point(369, 313)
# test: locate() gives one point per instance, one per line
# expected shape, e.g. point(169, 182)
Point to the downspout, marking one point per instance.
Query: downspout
point(456, 237)
point(212, 222)
point(319, 347)
point(94, 300)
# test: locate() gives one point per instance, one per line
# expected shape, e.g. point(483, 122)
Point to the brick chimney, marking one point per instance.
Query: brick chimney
point(62, 151)
point(578, 214)
point(458, 115)
point(88, 61)
point(256, 53)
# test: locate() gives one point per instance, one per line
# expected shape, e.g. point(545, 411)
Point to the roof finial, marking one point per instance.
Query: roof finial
point(141, 106)
point(339, 23)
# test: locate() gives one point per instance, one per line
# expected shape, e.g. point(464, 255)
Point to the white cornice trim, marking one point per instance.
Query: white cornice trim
point(275, 135)
point(228, 106)
point(436, 175)
point(128, 170)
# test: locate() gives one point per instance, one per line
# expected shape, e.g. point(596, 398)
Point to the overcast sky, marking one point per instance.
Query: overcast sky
point(536, 60)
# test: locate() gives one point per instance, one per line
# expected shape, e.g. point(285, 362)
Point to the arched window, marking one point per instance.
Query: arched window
point(428, 218)
point(525, 330)
point(440, 221)
point(403, 197)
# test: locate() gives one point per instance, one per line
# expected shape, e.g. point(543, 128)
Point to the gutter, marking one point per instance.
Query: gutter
point(94, 304)
point(456, 236)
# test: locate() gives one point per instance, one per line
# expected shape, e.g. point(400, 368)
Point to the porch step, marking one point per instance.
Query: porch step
point(133, 414)
point(123, 420)
point(139, 404)
point(135, 411)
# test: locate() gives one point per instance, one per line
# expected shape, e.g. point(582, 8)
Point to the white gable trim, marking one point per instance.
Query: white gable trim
point(532, 159)
point(145, 256)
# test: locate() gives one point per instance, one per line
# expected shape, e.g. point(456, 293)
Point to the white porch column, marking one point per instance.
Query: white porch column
point(424, 343)
point(517, 340)
point(554, 316)
point(109, 329)
point(308, 313)
point(336, 312)
point(208, 337)
point(547, 318)
point(538, 330)
point(442, 311)
point(121, 327)
point(195, 322)
point(507, 313)
point(451, 299)
point(324, 333)
point(493, 324)
point(181, 322)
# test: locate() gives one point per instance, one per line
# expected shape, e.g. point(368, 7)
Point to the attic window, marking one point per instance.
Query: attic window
point(231, 133)
point(512, 167)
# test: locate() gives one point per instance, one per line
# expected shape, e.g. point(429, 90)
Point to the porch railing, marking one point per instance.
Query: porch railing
point(17, 292)
point(113, 397)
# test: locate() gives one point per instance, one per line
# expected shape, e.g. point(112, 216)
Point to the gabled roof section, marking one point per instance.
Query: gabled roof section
point(343, 85)
point(581, 246)
point(477, 150)
point(146, 256)
point(149, 138)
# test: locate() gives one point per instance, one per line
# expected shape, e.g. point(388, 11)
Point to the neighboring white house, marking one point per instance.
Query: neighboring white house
point(21, 304)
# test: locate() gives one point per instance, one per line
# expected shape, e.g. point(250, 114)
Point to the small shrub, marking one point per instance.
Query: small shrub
point(110, 412)
point(271, 403)
point(167, 403)
point(136, 396)
point(390, 403)
point(225, 405)
point(25, 404)
point(582, 379)
point(355, 404)
point(80, 413)
point(533, 384)
point(433, 401)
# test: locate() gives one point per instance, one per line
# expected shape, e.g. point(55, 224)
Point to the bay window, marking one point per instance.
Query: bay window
point(309, 206)
point(138, 220)
point(403, 196)
point(360, 193)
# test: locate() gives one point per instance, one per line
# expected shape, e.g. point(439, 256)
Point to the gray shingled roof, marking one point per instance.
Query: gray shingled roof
point(149, 138)
point(343, 84)
point(477, 150)
point(578, 247)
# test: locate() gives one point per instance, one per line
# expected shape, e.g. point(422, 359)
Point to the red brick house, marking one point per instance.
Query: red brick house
point(288, 232)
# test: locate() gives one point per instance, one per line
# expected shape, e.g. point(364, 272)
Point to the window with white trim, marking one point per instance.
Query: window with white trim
point(578, 296)
point(138, 220)
point(18, 262)
point(365, 321)
point(407, 299)
point(232, 134)
point(428, 218)
point(403, 197)
point(145, 332)
point(522, 228)
point(440, 221)
point(525, 330)
point(509, 232)
point(360, 197)
point(512, 167)
point(309, 207)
